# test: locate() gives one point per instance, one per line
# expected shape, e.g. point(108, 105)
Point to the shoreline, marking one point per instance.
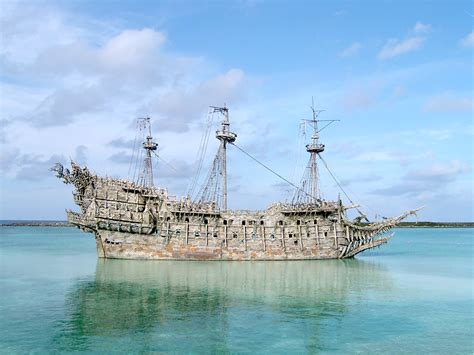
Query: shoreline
point(37, 224)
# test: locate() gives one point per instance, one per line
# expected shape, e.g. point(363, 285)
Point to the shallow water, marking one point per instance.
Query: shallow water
point(413, 295)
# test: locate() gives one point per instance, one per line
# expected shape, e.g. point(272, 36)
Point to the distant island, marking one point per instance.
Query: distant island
point(423, 224)
point(34, 223)
point(436, 225)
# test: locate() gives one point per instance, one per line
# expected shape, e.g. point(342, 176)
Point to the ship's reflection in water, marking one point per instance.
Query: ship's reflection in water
point(218, 306)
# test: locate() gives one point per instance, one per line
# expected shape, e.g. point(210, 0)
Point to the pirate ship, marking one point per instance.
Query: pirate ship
point(133, 219)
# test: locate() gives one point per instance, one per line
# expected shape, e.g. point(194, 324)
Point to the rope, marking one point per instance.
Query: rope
point(133, 155)
point(201, 153)
point(335, 179)
point(340, 186)
point(301, 139)
point(272, 171)
point(166, 163)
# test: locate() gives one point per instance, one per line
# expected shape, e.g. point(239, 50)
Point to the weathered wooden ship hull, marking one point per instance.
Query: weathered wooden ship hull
point(124, 245)
point(136, 223)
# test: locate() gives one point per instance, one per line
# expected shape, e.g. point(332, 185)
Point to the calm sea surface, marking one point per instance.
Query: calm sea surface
point(414, 295)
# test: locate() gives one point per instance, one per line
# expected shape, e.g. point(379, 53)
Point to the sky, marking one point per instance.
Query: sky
point(398, 75)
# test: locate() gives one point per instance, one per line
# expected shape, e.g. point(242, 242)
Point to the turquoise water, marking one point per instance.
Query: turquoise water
point(414, 295)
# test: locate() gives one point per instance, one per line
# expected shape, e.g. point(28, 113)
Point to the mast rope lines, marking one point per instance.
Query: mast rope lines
point(272, 171)
point(340, 186)
point(137, 153)
point(166, 163)
point(202, 151)
point(297, 187)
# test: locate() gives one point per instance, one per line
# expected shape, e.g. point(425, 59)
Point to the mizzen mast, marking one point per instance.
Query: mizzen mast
point(308, 192)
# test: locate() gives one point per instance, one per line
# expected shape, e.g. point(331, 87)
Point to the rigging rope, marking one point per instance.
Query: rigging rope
point(133, 155)
point(335, 179)
point(340, 186)
point(141, 137)
point(201, 153)
point(272, 171)
point(166, 163)
point(301, 139)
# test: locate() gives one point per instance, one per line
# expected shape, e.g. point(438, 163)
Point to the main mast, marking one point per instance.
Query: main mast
point(314, 148)
point(225, 136)
point(215, 189)
point(146, 175)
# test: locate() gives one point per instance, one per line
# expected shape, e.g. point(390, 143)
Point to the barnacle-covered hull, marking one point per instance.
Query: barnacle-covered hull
point(132, 222)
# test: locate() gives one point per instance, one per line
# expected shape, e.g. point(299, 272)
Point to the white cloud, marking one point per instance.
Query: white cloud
point(421, 28)
point(353, 49)
point(65, 105)
point(77, 71)
point(426, 181)
point(440, 172)
point(75, 85)
point(178, 106)
point(448, 102)
point(131, 48)
point(129, 53)
point(394, 47)
point(468, 41)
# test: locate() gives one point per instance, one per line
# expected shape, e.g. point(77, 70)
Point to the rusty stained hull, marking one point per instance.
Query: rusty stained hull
point(123, 245)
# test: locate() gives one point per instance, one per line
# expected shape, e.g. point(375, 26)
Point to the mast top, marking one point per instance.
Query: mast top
point(224, 134)
point(315, 146)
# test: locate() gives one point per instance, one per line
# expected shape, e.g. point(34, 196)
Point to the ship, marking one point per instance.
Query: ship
point(132, 219)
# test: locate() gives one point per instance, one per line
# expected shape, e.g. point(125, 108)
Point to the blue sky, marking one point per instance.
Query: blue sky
point(398, 76)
